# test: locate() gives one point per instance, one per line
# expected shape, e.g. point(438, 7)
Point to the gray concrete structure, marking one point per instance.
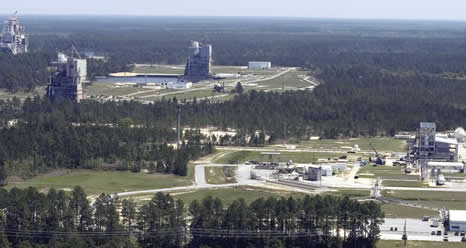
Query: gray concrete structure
point(14, 38)
point(67, 81)
point(199, 64)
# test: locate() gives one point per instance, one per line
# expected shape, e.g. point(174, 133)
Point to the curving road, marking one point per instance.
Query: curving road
point(243, 174)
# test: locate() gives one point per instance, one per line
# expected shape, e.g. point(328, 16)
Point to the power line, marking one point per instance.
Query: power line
point(199, 232)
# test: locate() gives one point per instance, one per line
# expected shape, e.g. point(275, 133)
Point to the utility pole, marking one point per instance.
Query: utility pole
point(178, 110)
point(283, 77)
point(405, 235)
point(284, 134)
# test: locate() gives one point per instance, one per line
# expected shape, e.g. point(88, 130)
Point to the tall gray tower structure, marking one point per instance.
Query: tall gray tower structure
point(68, 78)
point(199, 64)
point(14, 38)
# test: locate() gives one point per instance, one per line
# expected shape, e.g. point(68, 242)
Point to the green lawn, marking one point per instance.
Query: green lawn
point(436, 199)
point(297, 157)
point(418, 244)
point(162, 69)
point(249, 194)
point(395, 183)
point(399, 211)
point(292, 79)
point(108, 89)
point(381, 144)
point(96, 182)
point(220, 175)
point(386, 172)
point(5, 95)
point(351, 193)
point(179, 69)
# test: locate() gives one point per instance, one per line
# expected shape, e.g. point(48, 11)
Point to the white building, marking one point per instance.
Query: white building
point(259, 65)
point(178, 85)
point(457, 220)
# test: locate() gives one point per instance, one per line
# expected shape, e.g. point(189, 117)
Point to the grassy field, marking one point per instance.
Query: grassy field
point(386, 172)
point(220, 175)
point(5, 95)
point(436, 199)
point(395, 183)
point(350, 193)
point(381, 144)
point(96, 182)
point(292, 79)
point(227, 195)
point(249, 194)
point(297, 157)
point(399, 211)
point(108, 89)
point(418, 244)
point(179, 69)
point(162, 69)
point(243, 69)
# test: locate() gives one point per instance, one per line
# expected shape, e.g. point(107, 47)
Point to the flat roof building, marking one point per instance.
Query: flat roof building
point(457, 220)
point(259, 65)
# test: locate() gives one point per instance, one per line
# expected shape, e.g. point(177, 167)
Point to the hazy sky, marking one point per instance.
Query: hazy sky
point(378, 9)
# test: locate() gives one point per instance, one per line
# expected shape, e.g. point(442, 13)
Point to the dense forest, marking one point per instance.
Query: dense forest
point(43, 138)
point(397, 46)
point(376, 79)
point(59, 219)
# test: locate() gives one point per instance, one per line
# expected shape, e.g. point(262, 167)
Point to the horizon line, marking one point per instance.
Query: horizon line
point(232, 16)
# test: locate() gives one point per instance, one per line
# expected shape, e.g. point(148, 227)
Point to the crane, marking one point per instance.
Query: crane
point(379, 160)
point(75, 51)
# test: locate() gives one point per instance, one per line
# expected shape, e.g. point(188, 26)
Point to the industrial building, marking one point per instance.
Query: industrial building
point(14, 39)
point(457, 220)
point(67, 81)
point(179, 84)
point(259, 65)
point(430, 146)
point(199, 64)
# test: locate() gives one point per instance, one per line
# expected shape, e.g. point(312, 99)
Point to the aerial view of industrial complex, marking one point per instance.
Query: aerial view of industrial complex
point(151, 131)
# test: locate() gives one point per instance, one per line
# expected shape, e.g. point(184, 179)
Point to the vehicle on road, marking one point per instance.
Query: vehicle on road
point(432, 233)
point(463, 239)
point(434, 223)
point(445, 239)
point(439, 233)
point(441, 179)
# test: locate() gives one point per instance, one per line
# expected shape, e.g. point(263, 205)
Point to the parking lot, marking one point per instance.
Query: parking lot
point(416, 230)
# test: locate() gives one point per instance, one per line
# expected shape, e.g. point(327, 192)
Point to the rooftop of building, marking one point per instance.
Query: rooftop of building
point(427, 125)
point(457, 215)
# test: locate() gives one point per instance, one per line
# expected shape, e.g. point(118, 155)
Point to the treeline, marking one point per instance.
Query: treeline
point(434, 47)
point(29, 218)
point(358, 101)
point(24, 71)
point(42, 138)
point(97, 67)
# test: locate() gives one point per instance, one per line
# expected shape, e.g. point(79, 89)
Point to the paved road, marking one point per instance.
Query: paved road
point(276, 149)
point(242, 177)
point(416, 229)
point(459, 189)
